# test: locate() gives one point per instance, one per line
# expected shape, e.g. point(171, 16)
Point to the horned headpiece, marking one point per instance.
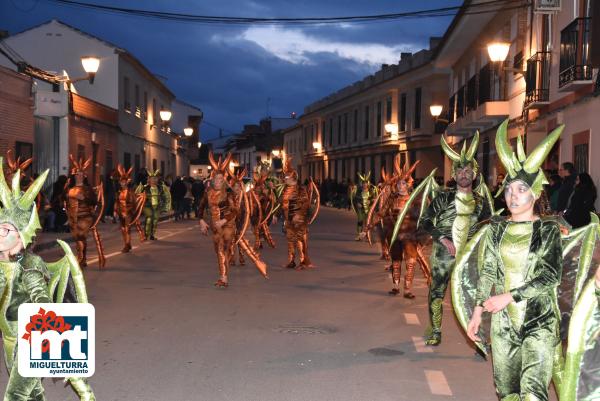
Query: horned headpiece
point(364, 178)
point(520, 166)
point(288, 169)
point(124, 175)
point(79, 166)
point(14, 165)
point(155, 173)
point(237, 177)
point(18, 208)
point(466, 157)
point(405, 173)
point(220, 166)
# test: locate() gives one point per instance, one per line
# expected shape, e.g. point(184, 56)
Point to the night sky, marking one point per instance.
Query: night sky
point(231, 71)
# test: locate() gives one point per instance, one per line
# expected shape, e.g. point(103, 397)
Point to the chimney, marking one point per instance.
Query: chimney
point(3, 34)
point(405, 56)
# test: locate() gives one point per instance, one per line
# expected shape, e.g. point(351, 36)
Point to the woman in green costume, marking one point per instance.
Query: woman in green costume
point(522, 260)
point(25, 277)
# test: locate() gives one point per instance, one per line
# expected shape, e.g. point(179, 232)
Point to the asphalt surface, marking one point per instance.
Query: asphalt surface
point(165, 333)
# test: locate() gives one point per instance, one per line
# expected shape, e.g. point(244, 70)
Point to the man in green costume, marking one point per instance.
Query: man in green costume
point(449, 219)
point(361, 201)
point(158, 199)
point(24, 278)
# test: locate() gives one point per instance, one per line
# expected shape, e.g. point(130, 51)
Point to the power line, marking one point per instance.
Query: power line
point(474, 9)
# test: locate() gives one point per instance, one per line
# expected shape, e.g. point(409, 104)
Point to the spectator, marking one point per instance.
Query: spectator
point(178, 191)
point(188, 198)
point(581, 202)
point(57, 205)
point(197, 192)
point(109, 196)
point(569, 175)
point(499, 200)
point(552, 190)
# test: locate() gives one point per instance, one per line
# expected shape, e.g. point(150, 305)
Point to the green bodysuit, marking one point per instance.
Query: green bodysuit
point(451, 215)
point(525, 259)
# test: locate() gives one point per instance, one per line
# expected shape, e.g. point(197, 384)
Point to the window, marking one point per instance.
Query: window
point(127, 161)
point(138, 112)
point(154, 164)
point(162, 168)
point(331, 132)
point(366, 122)
point(323, 131)
point(378, 118)
point(126, 100)
point(145, 106)
point(137, 162)
point(154, 112)
point(108, 161)
point(388, 110)
point(417, 122)
point(80, 152)
point(339, 130)
point(403, 112)
point(355, 123)
point(345, 128)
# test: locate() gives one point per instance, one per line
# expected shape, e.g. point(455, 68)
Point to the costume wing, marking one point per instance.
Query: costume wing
point(427, 191)
point(140, 200)
point(60, 271)
point(314, 198)
point(483, 191)
point(7, 279)
point(351, 194)
point(581, 374)
point(99, 204)
point(464, 280)
point(166, 198)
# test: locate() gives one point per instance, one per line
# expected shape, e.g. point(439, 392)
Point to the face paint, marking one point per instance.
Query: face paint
point(519, 197)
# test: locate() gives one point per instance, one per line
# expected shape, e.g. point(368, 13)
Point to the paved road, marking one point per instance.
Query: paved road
point(165, 333)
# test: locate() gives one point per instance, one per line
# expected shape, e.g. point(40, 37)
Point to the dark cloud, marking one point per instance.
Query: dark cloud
point(230, 79)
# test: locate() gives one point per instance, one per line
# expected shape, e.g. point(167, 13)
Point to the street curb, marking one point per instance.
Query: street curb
point(52, 243)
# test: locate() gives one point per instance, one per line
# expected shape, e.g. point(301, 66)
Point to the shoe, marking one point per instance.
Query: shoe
point(409, 295)
point(153, 238)
point(394, 291)
point(434, 339)
point(221, 284)
point(126, 249)
point(291, 265)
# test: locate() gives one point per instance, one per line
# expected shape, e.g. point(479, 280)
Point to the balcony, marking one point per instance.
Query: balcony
point(537, 80)
point(575, 64)
point(483, 104)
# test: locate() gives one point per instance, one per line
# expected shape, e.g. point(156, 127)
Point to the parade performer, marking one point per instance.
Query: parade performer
point(263, 198)
point(449, 219)
point(524, 257)
point(158, 200)
point(245, 206)
point(361, 201)
point(391, 202)
point(26, 278)
point(129, 207)
point(84, 206)
point(295, 203)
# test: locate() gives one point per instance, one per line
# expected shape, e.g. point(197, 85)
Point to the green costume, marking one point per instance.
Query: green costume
point(451, 214)
point(158, 199)
point(545, 271)
point(27, 278)
point(361, 200)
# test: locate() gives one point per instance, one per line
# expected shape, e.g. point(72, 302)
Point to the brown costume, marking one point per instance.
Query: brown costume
point(222, 205)
point(84, 210)
point(129, 207)
point(262, 198)
point(391, 203)
point(242, 245)
point(295, 205)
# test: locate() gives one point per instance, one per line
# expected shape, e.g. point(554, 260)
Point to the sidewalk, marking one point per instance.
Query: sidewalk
point(108, 230)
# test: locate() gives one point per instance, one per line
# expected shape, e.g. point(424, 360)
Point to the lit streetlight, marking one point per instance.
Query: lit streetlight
point(498, 51)
point(436, 110)
point(276, 152)
point(317, 146)
point(188, 131)
point(165, 115)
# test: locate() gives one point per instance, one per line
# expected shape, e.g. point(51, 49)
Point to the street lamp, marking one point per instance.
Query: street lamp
point(90, 66)
point(436, 110)
point(165, 115)
point(317, 146)
point(188, 131)
point(199, 145)
point(276, 152)
point(391, 129)
point(498, 51)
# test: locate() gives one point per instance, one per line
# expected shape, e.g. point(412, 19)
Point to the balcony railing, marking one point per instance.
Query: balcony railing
point(537, 79)
point(451, 108)
point(460, 103)
point(471, 94)
point(575, 42)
